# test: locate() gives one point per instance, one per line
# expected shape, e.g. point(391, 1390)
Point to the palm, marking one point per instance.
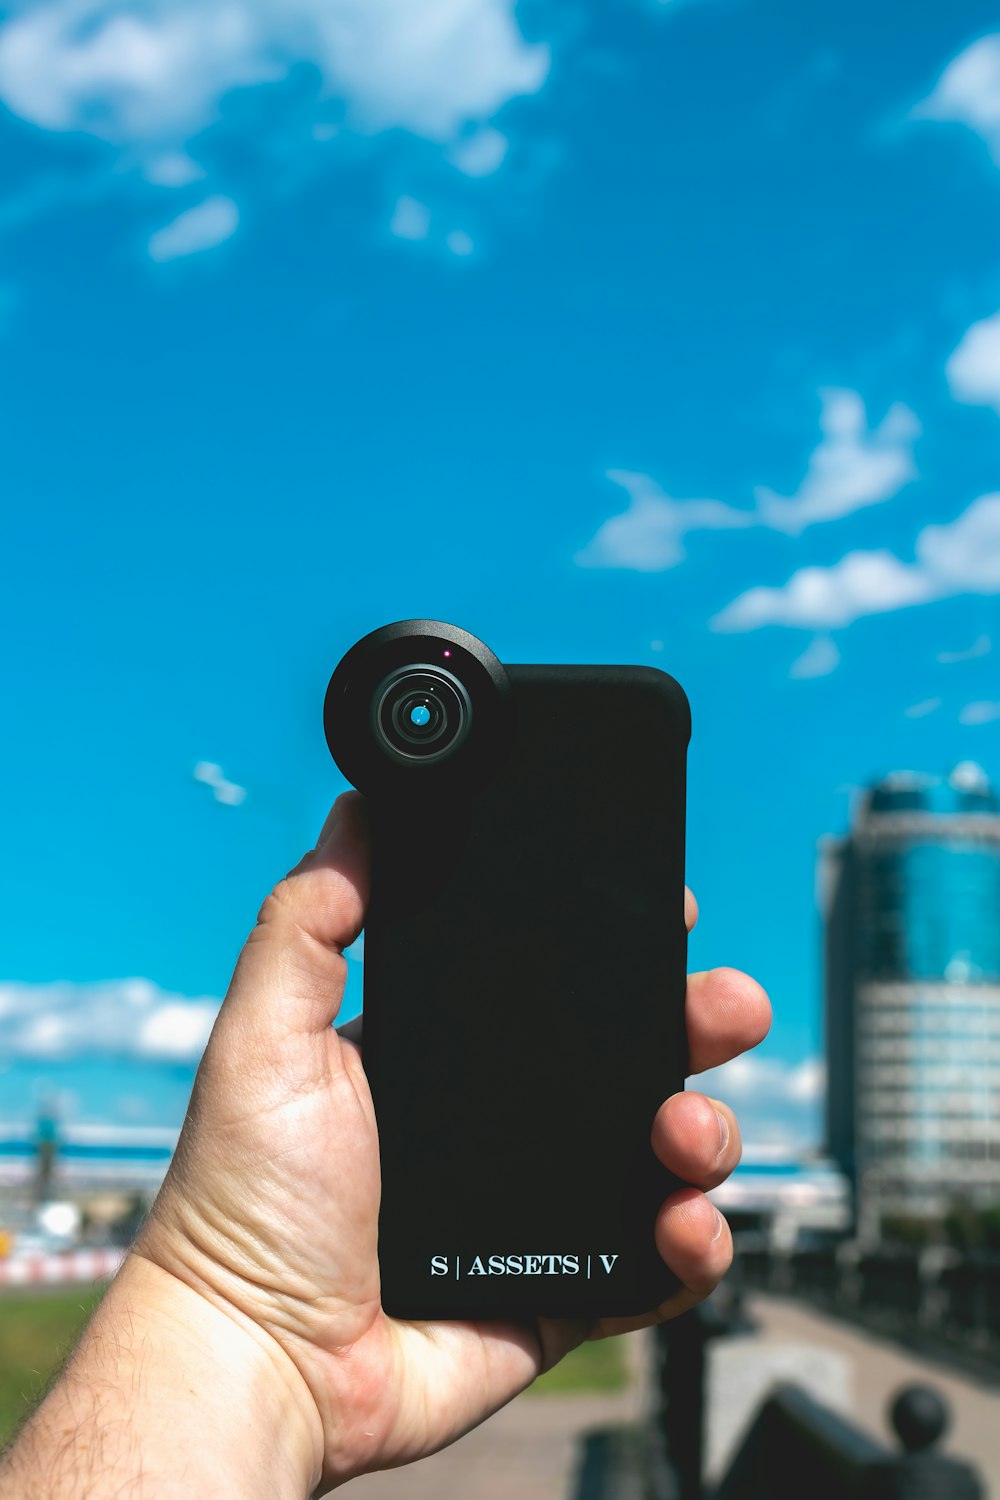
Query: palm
point(309, 1212)
point(273, 1195)
point(305, 1227)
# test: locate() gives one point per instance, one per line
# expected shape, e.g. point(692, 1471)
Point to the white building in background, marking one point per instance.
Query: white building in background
point(790, 1199)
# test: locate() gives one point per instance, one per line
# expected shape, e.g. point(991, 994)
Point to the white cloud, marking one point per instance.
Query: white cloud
point(806, 1081)
point(647, 537)
point(413, 220)
point(961, 557)
point(964, 556)
point(480, 154)
point(125, 1018)
point(979, 713)
point(852, 467)
point(754, 1075)
point(775, 1101)
point(968, 92)
point(410, 220)
point(175, 1030)
point(199, 228)
point(862, 583)
point(226, 792)
point(172, 169)
point(973, 370)
point(229, 794)
point(460, 243)
point(921, 710)
point(149, 75)
point(819, 659)
point(981, 646)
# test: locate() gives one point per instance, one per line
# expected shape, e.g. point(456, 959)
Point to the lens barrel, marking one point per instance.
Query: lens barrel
point(421, 713)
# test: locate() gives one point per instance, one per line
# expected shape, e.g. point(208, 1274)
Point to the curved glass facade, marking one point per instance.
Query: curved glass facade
point(913, 994)
point(931, 908)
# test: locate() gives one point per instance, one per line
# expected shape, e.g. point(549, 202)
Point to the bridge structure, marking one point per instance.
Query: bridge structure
point(78, 1159)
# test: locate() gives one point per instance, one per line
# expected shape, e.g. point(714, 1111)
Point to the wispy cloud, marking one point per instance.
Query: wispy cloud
point(973, 370)
point(173, 169)
point(121, 1018)
point(819, 659)
point(648, 536)
point(199, 228)
point(415, 221)
point(480, 154)
point(921, 710)
point(968, 93)
point(962, 557)
point(411, 220)
point(853, 466)
point(981, 646)
point(226, 792)
point(979, 713)
point(459, 242)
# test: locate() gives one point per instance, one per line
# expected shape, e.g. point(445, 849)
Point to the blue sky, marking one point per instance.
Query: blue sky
point(612, 332)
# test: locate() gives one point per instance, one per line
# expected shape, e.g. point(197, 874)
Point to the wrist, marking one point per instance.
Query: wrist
point(171, 1392)
point(257, 1408)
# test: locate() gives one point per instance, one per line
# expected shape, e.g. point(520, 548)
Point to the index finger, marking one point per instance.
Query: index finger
point(727, 1013)
point(690, 909)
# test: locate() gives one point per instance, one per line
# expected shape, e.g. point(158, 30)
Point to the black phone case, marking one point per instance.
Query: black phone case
point(525, 960)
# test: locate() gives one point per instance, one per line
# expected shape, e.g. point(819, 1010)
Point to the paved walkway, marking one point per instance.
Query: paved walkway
point(854, 1371)
point(529, 1451)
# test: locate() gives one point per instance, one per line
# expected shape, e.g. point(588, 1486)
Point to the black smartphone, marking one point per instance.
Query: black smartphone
point(524, 968)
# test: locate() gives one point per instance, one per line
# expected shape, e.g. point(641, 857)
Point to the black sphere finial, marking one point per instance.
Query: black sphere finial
point(920, 1415)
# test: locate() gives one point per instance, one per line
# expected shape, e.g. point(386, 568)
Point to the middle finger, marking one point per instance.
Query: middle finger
point(697, 1138)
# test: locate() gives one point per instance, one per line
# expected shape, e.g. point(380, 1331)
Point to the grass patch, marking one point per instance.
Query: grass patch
point(36, 1332)
point(598, 1367)
point(38, 1329)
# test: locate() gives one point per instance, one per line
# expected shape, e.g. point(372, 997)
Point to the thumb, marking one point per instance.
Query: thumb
point(291, 972)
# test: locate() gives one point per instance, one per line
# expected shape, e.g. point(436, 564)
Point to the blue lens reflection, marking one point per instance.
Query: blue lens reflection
point(420, 715)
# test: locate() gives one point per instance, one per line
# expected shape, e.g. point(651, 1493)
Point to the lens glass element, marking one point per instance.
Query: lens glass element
point(421, 713)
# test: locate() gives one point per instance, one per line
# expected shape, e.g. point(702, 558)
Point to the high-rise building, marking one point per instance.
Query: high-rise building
point(911, 902)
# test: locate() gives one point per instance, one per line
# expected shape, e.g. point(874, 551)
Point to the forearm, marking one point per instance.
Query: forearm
point(168, 1396)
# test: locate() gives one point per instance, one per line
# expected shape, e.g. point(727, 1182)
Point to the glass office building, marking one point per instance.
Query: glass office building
point(912, 916)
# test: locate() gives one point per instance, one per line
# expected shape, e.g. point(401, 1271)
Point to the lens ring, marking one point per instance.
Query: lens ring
point(404, 708)
point(421, 686)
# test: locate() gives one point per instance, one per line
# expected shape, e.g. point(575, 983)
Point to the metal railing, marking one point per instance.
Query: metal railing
point(795, 1445)
point(931, 1296)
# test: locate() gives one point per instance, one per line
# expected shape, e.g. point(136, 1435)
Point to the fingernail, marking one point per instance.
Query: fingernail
point(330, 826)
point(723, 1130)
point(720, 1224)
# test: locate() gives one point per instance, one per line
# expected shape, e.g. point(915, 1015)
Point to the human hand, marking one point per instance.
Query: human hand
point(270, 1209)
